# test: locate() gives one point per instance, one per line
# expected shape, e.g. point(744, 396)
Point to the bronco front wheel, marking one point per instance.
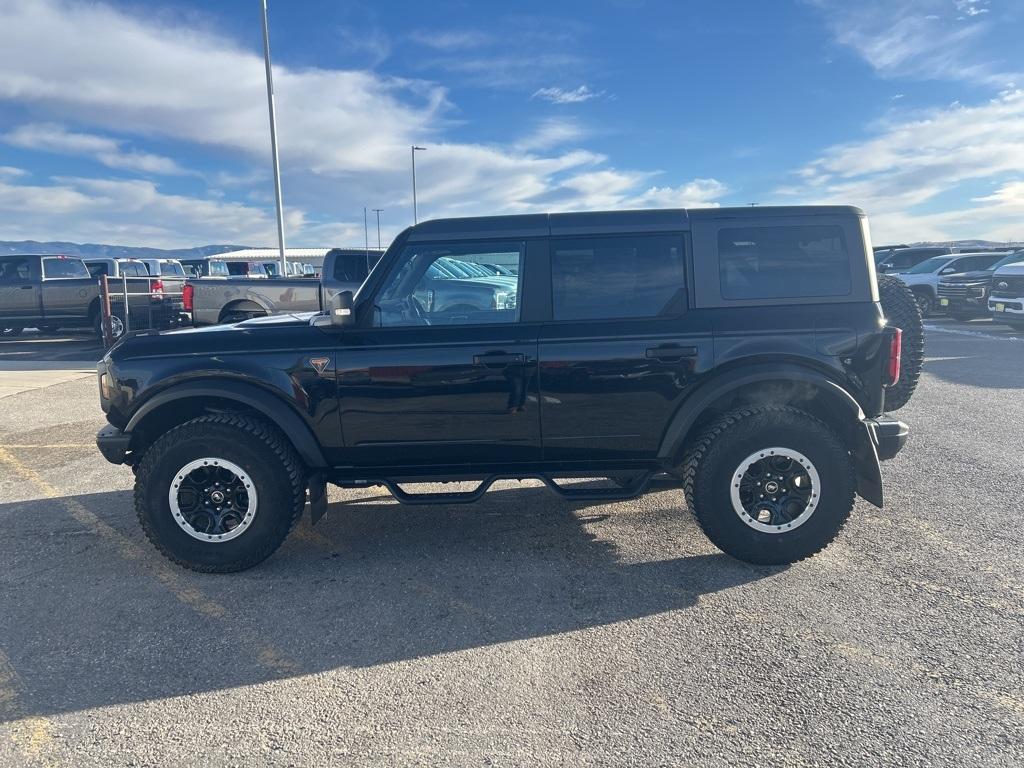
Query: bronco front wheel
point(219, 493)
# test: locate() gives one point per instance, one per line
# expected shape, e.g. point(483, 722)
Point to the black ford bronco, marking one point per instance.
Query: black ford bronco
point(745, 352)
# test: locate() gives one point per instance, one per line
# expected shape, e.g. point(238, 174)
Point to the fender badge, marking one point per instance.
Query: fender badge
point(320, 363)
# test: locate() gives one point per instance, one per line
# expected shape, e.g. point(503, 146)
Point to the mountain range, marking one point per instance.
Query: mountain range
point(100, 251)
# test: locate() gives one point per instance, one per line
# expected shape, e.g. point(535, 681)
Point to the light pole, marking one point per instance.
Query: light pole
point(415, 213)
point(377, 211)
point(366, 234)
point(273, 140)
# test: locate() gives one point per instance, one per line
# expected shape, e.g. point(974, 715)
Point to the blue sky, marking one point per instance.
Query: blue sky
point(145, 123)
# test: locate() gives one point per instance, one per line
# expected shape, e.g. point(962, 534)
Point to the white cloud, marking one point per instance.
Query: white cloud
point(900, 174)
point(344, 135)
point(10, 172)
point(972, 7)
point(130, 75)
point(910, 38)
point(551, 133)
point(129, 212)
point(452, 40)
point(48, 137)
point(561, 96)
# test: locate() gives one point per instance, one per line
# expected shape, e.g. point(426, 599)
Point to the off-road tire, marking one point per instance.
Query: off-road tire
point(902, 311)
point(261, 450)
point(713, 457)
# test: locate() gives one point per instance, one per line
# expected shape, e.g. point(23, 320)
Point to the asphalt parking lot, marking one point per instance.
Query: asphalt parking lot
point(521, 630)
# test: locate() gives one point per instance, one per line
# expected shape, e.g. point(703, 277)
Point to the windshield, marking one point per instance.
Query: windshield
point(171, 269)
point(929, 265)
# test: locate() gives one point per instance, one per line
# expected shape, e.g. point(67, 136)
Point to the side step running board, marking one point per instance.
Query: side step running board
point(636, 486)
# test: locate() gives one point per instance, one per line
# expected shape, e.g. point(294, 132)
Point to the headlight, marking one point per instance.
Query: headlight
point(501, 300)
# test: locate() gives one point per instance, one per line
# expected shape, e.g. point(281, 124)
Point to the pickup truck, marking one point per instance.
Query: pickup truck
point(215, 300)
point(1006, 299)
point(965, 296)
point(46, 292)
point(752, 352)
point(923, 279)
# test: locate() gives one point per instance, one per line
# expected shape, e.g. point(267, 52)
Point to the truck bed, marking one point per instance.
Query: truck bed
point(228, 299)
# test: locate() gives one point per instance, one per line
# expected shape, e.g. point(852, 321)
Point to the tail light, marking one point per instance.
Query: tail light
point(186, 296)
point(156, 290)
point(895, 352)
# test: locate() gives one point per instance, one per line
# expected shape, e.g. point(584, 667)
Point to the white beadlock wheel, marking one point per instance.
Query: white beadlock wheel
point(213, 500)
point(775, 490)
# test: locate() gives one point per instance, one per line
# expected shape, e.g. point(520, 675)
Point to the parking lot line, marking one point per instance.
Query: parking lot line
point(31, 735)
point(47, 445)
point(127, 549)
point(266, 655)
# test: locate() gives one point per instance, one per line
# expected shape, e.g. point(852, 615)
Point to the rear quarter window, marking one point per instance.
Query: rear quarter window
point(783, 262)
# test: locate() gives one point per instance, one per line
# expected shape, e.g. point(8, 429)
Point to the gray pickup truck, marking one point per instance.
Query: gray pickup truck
point(46, 292)
point(214, 300)
point(455, 283)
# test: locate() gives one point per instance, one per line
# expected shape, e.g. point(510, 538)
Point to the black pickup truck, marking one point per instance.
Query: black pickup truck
point(744, 351)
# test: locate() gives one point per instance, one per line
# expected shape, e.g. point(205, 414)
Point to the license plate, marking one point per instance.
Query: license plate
point(943, 302)
point(1000, 307)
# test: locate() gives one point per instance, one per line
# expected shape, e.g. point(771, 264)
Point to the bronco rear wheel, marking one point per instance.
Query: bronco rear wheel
point(902, 311)
point(219, 493)
point(769, 485)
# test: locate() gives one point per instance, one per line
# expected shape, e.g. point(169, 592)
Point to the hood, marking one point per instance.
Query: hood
point(271, 332)
point(968, 277)
point(1011, 269)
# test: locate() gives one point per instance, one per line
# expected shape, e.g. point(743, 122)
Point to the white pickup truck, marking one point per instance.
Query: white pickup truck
point(1006, 298)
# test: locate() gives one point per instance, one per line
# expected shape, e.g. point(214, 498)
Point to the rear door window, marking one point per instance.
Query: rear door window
point(350, 268)
point(98, 269)
point(784, 262)
point(598, 278)
point(59, 268)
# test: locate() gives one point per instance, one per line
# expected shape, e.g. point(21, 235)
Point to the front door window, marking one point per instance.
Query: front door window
point(452, 284)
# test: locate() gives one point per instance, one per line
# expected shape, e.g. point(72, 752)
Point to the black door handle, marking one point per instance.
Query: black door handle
point(27, 287)
point(498, 359)
point(671, 352)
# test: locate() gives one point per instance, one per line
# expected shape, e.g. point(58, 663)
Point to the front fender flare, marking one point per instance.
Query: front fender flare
point(272, 407)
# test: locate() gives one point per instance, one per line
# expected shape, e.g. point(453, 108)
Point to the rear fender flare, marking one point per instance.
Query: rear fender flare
point(273, 408)
point(856, 433)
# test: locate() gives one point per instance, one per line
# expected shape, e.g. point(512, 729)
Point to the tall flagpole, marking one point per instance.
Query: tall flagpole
point(273, 142)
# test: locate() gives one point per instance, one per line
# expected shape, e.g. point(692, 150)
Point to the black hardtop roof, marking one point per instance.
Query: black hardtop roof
point(606, 222)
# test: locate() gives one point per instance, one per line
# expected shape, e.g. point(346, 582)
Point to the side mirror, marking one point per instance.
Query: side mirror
point(882, 268)
point(342, 311)
point(948, 271)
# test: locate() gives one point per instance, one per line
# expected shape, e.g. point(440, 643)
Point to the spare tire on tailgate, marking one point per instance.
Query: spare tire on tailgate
point(902, 311)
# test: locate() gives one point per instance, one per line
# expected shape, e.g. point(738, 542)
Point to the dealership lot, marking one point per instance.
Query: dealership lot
point(521, 629)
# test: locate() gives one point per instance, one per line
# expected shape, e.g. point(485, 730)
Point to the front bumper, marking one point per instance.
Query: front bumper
point(964, 305)
point(1002, 307)
point(889, 435)
point(113, 444)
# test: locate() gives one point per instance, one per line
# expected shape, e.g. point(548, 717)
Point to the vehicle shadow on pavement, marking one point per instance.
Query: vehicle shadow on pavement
point(94, 616)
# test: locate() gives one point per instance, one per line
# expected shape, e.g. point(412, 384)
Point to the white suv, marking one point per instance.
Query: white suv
point(923, 278)
point(1006, 299)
